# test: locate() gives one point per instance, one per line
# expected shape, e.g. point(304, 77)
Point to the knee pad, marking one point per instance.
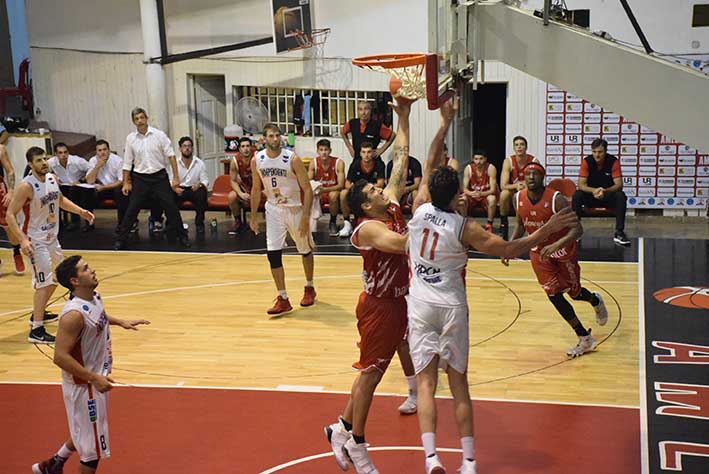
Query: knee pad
point(275, 258)
point(92, 464)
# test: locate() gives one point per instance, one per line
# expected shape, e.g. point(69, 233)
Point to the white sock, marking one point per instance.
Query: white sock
point(411, 381)
point(37, 324)
point(468, 448)
point(429, 443)
point(310, 283)
point(64, 452)
point(283, 294)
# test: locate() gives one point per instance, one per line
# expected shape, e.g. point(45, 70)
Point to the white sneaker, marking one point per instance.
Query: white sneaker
point(585, 344)
point(337, 436)
point(409, 405)
point(468, 467)
point(601, 311)
point(359, 457)
point(346, 230)
point(434, 466)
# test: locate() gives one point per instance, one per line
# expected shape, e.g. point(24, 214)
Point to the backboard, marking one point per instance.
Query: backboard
point(291, 19)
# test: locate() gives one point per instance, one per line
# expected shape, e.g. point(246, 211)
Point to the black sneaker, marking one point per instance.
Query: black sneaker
point(50, 317)
point(39, 335)
point(333, 229)
point(119, 245)
point(621, 239)
point(55, 465)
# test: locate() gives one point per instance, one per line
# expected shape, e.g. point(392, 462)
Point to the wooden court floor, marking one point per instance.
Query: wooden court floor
point(209, 328)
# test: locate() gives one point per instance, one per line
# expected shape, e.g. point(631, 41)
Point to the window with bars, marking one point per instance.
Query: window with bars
point(329, 109)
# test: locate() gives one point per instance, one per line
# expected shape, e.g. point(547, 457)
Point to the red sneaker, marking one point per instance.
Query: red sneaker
point(282, 306)
point(308, 296)
point(19, 264)
point(488, 228)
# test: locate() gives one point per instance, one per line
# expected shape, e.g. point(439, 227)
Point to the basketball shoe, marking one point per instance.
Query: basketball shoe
point(19, 264)
point(434, 466)
point(346, 230)
point(621, 239)
point(409, 406)
point(54, 465)
point(337, 436)
point(359, 457)
point(601, 311)
point(308, 296)
point(468, 467)
point(585, 344)
point(282, 306)
point(39, 335)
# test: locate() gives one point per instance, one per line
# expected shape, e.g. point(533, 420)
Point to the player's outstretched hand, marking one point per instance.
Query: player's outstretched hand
point(402, 106)
point(27, 247)
point(132, 324)
point(562, 220)
point(87, 215)
point(449, 108)
point(547, 251)
point(102, 383)
point(253, 223)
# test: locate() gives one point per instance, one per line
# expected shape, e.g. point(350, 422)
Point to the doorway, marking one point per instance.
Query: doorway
point(208, 120)
point(490, 122)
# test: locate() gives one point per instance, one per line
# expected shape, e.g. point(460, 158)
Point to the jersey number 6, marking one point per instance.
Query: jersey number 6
point(274, 183)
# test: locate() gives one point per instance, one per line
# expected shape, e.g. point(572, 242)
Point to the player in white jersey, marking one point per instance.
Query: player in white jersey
point(437, 304)
point(83, 352)
point(282, 176)
point(40, 244)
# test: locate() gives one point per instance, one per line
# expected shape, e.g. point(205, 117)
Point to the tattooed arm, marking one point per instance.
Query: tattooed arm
point(397, 181)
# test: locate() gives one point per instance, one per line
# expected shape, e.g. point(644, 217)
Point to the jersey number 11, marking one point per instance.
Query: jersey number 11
point(434, 242)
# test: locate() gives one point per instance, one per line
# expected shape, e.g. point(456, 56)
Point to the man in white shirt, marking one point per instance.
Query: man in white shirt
point(193, 184)
point(69, 170)
point(106, 174)
point(148, 153)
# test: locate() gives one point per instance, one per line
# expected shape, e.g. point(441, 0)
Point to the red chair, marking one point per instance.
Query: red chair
point(23, 90)
point(564, 185)
point(567, 187)
point(219, 199)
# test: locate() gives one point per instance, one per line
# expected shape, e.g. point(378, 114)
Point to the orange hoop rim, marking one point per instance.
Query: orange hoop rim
point(391, 60)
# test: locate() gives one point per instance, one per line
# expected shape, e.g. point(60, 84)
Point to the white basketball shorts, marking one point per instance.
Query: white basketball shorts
point(87, 414)
point(438, 330)
point(284, 220)
point(44, 258)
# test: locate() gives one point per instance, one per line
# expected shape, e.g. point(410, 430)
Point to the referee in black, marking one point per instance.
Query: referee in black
point(148, 152)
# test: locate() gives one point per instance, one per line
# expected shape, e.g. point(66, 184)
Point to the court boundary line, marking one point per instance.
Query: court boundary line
point(243, 252)
point(313, 457)
point(334, 392)
point(642, 366)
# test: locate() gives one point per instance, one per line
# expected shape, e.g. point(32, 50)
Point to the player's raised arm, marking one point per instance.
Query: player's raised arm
point(397, 181)
point(491, 244)
point(436, 155)
point(376, 234)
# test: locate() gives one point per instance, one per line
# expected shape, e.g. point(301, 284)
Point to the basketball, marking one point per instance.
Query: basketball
point(394, 86)
point(685, 296)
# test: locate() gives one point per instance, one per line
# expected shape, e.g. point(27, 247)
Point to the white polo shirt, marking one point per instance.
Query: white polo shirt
point(109, 173)
point(76, 169)
point(195, 174)
point(147, 154)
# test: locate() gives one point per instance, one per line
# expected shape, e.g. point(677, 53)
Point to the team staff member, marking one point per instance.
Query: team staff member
point(365, 129)
point(107, 177)
point(148, 152)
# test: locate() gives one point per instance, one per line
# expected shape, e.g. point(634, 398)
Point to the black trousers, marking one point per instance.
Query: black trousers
point(77, 195)
point(198, 198)
point(616, 201)
point(156, 188)
point(92, 199)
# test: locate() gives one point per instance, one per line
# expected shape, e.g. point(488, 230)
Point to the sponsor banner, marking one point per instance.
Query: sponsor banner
point(630, 191)
point(685, 192)
point(555, 170)
point(573, 124)
point(702, 192)
point(571, 170)
point(676, 385)
point(689, 182)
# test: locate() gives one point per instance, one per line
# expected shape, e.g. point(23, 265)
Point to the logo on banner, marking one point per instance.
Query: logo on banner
point(695, 297)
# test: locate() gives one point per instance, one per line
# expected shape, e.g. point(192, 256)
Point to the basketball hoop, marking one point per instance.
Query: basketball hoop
point(315, 41)
point(407, 68)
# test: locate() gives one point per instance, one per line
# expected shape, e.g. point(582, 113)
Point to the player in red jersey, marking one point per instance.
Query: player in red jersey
point(7, 187)
point(381, 310)
point(241, 181)
point(512, 179)
point(480, 187)
point(329, 171)
point(554, 260)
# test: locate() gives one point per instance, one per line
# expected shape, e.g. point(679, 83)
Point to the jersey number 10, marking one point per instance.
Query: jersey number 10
point(434, 242)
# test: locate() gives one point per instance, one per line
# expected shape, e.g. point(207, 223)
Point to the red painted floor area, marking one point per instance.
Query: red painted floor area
point(161, 430)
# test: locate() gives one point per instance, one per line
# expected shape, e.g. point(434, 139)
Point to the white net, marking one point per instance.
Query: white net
point(413, 80)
